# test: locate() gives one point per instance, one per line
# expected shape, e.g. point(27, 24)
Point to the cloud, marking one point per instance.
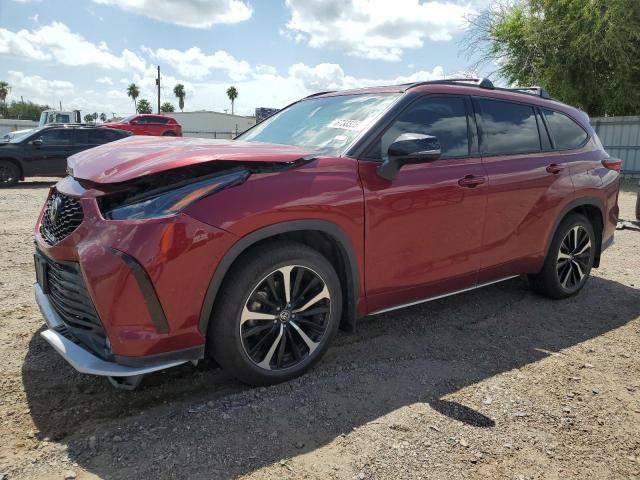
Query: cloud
point(55, 41)
point(38, 89)
point(196, 64)
point(375, 29)
point(105, 80)
point(188, 13)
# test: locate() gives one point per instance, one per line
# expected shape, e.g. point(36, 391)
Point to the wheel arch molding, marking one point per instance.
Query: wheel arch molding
point(347, 257)
point(578, 205)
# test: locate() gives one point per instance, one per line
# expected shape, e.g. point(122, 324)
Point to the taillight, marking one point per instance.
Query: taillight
point(612, 164)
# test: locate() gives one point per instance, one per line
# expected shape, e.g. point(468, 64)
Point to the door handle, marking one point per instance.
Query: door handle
point(555, 168)
point(471, 181)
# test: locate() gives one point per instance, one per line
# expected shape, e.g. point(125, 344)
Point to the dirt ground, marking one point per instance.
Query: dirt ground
point(495, 383)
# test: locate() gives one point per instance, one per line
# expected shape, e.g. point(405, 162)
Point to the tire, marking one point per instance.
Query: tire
point(168, 134)
point(567, 265)
point(9, 173)
point(273, 348)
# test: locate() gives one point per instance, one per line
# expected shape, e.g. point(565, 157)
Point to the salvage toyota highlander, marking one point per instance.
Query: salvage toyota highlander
point(154, 252)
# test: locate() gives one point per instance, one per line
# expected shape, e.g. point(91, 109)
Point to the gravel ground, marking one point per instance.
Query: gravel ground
point(495, 383)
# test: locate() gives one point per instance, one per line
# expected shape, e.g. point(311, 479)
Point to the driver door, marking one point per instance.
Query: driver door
point(50, 156)
point(424, 228)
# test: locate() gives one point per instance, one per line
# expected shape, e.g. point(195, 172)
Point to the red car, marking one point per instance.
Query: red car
point(344, 204)
point(148, 124)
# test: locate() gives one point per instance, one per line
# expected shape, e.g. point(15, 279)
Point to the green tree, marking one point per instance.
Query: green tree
point(167, 107)
point(88, 118)
point(180, 94)
point(585, 52)
point(133, 92)
point(4, 91)
point(24, 110)
point(232, 93)
point(103, 117)
point(144, 106)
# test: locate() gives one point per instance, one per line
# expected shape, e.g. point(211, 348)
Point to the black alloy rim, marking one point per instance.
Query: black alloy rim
point(285, 317)
point(574, 257)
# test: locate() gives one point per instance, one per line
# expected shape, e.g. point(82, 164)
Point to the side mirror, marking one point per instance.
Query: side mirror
point(409, 148)
point(37, 142)
point(133, 122)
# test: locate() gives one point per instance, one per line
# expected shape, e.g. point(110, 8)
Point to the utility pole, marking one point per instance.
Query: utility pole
point(158, 85)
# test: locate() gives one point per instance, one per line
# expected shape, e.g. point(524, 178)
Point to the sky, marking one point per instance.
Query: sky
point(85, 53)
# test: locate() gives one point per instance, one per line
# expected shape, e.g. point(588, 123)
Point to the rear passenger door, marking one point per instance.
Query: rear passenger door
point(527, 179)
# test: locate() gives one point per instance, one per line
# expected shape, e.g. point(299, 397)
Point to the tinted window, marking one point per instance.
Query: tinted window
point(160, 120)
point(444, 118)
point(98, 137)
point(508, 128)
point(57, 137)
point(565, 132)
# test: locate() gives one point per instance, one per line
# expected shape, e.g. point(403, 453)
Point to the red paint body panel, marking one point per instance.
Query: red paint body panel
point(424, 230)
point(170, 250)
point(134, 157)
point(421, 235)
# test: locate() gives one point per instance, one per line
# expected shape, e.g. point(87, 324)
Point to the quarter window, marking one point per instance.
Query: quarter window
point(442, 117)
point(508, 128)
point(566, 133)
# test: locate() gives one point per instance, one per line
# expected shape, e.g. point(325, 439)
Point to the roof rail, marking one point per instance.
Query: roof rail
point(534, 90)
point(473, 82)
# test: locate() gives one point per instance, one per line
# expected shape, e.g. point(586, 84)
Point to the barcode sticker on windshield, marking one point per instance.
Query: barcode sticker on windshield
point(346, 124)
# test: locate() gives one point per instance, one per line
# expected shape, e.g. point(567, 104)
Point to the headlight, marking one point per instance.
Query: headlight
point(172, 200)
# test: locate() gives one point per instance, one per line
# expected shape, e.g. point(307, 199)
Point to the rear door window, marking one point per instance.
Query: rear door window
point(566, 133)
point(508, 128)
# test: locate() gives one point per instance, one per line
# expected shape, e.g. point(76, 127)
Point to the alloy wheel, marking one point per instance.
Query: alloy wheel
point(574, 257)
point(285, 317)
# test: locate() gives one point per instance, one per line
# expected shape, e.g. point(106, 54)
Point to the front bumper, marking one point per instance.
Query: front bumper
point(81, 359)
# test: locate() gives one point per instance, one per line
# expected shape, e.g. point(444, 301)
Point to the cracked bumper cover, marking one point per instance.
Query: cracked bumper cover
point(81, 359)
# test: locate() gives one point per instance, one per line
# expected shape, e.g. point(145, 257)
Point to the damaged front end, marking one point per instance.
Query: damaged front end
point(169, 192)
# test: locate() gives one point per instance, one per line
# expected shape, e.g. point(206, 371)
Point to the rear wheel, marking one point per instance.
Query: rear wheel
point(277, 312)
point(9, 173)
point(569, 260)
point(169, 134)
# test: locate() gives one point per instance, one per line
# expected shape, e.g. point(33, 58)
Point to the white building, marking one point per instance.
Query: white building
point(205, 124)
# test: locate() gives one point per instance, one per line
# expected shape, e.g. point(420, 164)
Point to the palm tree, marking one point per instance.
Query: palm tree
point(179, 92)
point(103, 117)
point(4, 91)
point(232, 93)
point(134, 92)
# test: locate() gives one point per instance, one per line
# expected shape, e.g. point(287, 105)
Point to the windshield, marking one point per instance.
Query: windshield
point(328, 124)
point(127, 119)
point(17, 136)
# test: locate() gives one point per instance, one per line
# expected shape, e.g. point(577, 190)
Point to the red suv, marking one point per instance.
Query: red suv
point(344, 204)
point(156, 125)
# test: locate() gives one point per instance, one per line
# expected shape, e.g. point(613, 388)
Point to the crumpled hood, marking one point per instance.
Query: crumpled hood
point(137, 156)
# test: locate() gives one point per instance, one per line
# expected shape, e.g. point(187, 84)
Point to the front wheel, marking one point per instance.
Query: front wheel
point(277, 312)
point(569, 259)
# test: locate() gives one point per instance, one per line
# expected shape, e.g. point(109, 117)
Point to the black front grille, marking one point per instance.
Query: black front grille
point(69, 297)
point(62, 215)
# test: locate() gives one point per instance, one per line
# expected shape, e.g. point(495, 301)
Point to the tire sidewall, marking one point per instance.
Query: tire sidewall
point(16, 170)
point(225, 330)
point(563, 230)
